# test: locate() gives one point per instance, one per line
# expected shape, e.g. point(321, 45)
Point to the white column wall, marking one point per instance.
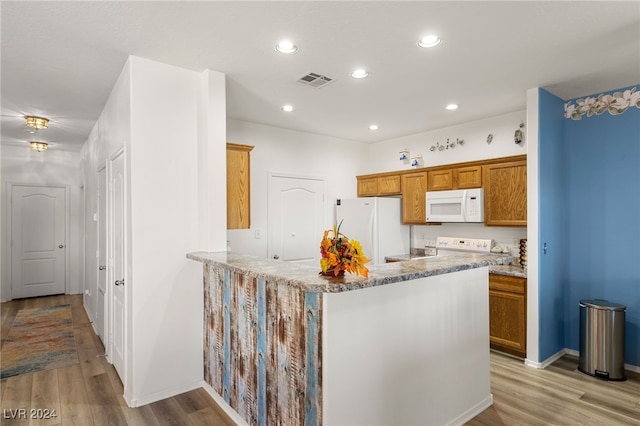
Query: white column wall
point(533, 196)
point(110, 133)
point(165, 117)
point(164, 293)
point(212, 166)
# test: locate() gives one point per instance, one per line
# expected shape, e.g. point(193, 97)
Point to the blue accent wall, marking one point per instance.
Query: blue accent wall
point(552, 217)
point(603, 220)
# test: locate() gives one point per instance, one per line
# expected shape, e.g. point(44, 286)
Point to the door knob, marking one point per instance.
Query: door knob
point(120, 282)
point(60, 246)
point(276, 257)
point(102, 268)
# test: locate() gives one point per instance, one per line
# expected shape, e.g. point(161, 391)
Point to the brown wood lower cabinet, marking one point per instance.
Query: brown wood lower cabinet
point(508, 314)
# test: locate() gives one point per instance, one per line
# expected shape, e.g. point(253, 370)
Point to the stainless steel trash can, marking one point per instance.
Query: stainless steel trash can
point(602, 339)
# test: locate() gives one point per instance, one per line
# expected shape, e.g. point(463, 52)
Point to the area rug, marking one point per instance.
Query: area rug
point(39, 339)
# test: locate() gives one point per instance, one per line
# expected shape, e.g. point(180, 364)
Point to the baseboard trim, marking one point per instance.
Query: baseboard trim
point(547, 362)
point(566, 351)
point(634, 368)
point(167, 393)
point(472, 412)
point(233, 414)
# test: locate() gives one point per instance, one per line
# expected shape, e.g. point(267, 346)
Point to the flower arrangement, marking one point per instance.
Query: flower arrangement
point(340, 254)
point(615, 104)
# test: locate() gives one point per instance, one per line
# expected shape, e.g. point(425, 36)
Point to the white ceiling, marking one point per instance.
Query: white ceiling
point(61, 59)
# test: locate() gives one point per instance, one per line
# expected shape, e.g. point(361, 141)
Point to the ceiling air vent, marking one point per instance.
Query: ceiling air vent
point(315, 80)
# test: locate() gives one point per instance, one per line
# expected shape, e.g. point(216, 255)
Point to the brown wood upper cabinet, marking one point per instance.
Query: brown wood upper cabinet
point(508, 314)
point(238, 186)
point(380, 184)
point(455, 178)
point(414, 188)
point(505, 193)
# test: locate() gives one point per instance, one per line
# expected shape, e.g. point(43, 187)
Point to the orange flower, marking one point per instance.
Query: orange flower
point(341, 254)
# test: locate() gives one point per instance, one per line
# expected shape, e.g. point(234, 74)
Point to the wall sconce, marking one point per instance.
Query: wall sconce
point(404, 155)
point(36, 123)
point(38, 146)
point(519, 135)
point(416, 161)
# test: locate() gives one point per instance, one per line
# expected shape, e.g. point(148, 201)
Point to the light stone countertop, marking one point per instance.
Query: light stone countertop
point(511, 270)
point(305, 277)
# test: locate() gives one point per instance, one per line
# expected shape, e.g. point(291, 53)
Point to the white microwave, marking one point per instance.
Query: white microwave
point(463, 205)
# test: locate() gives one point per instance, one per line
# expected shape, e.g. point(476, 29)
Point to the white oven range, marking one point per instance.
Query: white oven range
point(451, 246)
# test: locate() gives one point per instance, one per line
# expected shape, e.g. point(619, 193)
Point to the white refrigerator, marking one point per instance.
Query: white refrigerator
point(376, 222)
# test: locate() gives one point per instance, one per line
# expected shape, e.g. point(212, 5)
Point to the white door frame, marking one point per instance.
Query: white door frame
point(110, 265)
point(292, 176)
point(102, 221)
point(8, 290)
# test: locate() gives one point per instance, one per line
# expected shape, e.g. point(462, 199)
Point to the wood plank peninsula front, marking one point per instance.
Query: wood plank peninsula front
point(408, 345)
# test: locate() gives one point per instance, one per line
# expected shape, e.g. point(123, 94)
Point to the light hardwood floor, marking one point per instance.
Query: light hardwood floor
point(90, 393)
point(557, 395)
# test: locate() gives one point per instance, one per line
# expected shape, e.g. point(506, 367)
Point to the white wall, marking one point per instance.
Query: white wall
point(533, 224)
point(110, 134)
point(165, 288)
point(23, 165)
point(384, 156)
point(288, 151)
point(166, 118)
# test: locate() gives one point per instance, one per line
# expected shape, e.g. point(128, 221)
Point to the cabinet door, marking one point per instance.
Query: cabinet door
point(389, 185)
point(506, 329)
point(367, 187)
point(414, 187)
point(469, 177)
point(440, 180)
point(505, 194)
point(238, 186)
point(508, 314)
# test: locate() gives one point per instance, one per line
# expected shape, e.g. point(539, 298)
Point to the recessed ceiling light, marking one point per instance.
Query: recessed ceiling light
point(360, 73)
point(286, 46)
point(373, 127)
point(429, 41)
point(287, 108)
point(452, 107)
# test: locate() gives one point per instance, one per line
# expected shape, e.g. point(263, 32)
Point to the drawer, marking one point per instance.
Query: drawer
point(507, 283)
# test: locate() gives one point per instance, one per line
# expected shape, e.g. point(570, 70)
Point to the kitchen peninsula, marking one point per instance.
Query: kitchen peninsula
point(407, 345)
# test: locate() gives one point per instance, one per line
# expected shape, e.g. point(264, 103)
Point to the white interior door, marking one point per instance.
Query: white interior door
point(38, 240)
point(117, 265)
point(101, 253)
point(296, 218)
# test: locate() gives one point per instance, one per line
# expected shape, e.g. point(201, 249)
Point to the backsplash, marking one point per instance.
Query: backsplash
point(505, 237)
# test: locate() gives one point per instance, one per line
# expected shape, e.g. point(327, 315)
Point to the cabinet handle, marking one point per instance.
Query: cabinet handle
point(120, 282)
point(102, 268)
point(276, 257)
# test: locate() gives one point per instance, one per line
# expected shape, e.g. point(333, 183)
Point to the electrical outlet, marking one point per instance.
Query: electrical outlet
point(258, 234)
